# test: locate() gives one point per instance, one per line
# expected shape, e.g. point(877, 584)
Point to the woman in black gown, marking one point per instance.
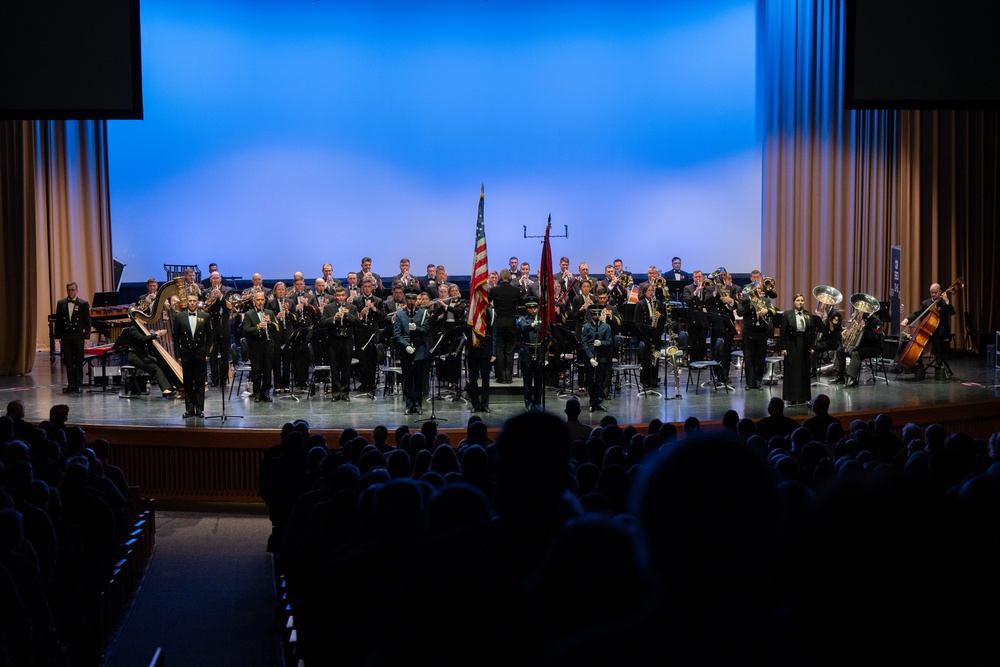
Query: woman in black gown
point(797, 335)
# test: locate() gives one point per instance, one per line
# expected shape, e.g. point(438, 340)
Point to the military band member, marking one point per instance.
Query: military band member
point(396, 301)
point(609, 312)
point(721, 310)
point(941, 335)
point(352, 287)
point(302, 308)
point(260, 329)
point(492, 280)
point(527, 284)
point(371, 318)
point(140, 355)
point(322, 296)
point(218, 308)
point(797, 336)
point(189, 285)
point(849, 361)
point(257, 285)
point(329, 282)
point(758, 315)
point(617, 293)
point(283, 317)
point(584, 277)
point(146, 301)
point(367, 273)
point(429, 283)
point(697, 298)
point(580, 305)
point(340, 318)
point(193, 340)
point(410, 331)
point(565, 277)
point(532, 357)
point(597, 343)
point(676, 272)
point(404, 278)
point(649, 316)
point(72, 328)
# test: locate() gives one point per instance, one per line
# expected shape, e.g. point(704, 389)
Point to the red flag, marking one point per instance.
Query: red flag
point(478, 295)
point(545, 280)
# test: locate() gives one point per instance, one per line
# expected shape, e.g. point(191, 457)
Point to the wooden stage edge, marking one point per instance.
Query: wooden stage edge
point(219, 465)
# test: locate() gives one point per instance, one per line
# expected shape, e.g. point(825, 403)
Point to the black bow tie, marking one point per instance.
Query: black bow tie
point(72, 301)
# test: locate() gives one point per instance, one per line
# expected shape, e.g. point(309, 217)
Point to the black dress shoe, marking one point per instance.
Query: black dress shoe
point(484, 408)
point(345, 397)
point(266, 399)
point(256, 399)
point(837, 381)
point(201, 415)
point(188, 414)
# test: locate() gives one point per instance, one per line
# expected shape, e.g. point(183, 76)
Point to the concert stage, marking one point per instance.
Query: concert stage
point(212, 459)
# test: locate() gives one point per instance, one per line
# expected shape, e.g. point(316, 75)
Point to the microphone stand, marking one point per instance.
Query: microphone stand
point(430, 357)
point(223, 378)
point(370, 393)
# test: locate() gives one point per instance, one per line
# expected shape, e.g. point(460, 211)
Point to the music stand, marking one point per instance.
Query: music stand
point(567, 340)
point(430, 358)
point(453, 342)
point(223, 377)
point(295, 344)
point(647, 334)
point(372, 341)
point(676, 288)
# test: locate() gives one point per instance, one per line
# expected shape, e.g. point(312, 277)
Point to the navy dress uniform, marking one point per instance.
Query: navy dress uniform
point(410, 331)
point(596, 341)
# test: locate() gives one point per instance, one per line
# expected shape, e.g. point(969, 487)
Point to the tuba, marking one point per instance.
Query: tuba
point(166, 295)
point(863, 304)
point(829, 297)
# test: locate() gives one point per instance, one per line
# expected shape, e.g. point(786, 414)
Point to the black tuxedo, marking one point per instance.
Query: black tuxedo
point(72, 331)
point(219, 312)
point(193, 348)
point(260, 343)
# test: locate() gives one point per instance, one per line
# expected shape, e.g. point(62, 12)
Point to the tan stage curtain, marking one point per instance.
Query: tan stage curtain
point(841, 187)
point(56, 227)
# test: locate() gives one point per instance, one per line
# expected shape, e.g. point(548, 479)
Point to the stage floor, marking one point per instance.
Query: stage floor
point(42, 388)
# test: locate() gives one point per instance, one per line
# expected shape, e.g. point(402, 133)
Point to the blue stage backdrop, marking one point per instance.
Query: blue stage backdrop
point(282, 134)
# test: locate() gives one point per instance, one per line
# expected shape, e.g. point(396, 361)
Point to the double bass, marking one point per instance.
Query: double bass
point(144, 320)
point(912, 348)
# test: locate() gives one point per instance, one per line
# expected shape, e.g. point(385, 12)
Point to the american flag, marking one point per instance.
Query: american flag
point(478, 295)
point(545, 280)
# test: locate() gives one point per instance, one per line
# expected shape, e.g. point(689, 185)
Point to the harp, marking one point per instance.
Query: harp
point(144, 321)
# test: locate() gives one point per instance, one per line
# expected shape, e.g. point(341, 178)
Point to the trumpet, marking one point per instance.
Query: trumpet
point(660, 287)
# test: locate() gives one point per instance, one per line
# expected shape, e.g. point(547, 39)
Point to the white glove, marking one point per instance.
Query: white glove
point(534, 325)
point(546, 363)
point(593, 362)
point(410, 349)
point(597, 343)
point(492, 359)
point(413, 326)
